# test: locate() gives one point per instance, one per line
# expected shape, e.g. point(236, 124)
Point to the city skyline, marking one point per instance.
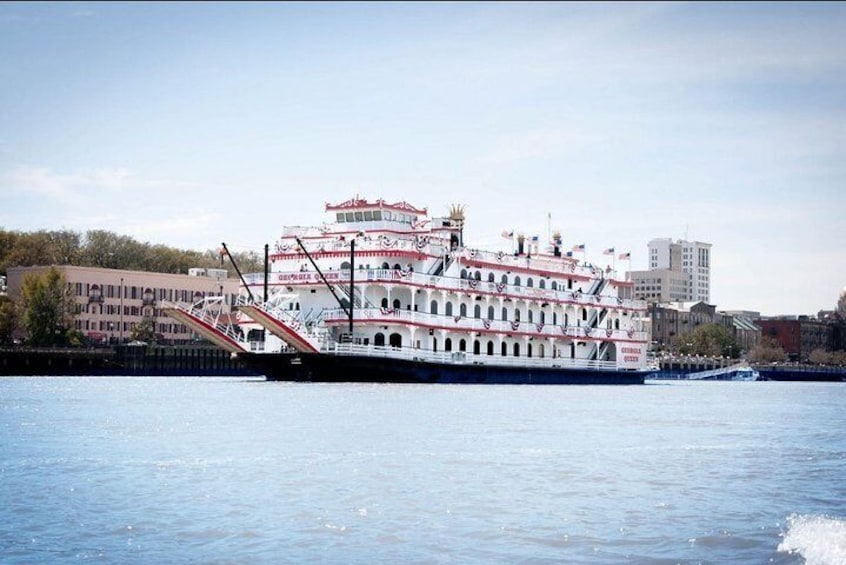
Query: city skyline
point(191, 124)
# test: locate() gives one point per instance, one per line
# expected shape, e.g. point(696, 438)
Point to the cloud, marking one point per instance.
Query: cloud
point(44, 181)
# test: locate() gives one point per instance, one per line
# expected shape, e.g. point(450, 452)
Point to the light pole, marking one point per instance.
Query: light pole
point(121, 309)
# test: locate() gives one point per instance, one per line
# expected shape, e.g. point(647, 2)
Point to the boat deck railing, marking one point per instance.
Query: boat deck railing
point(465, 358)
point(436, 321)
point(449, 284)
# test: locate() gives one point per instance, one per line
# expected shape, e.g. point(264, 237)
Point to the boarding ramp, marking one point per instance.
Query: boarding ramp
point(207, 318)
point(276, 316)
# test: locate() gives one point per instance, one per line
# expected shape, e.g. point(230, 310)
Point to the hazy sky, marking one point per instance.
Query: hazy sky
point(191, 124)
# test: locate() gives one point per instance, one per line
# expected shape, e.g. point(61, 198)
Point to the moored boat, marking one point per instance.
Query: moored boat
point(382, 292)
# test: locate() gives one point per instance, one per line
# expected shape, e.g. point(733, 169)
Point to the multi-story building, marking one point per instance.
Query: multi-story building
point(797, 335)
point(661, 285)
point(672, 323)
point(110, 302)
point(690, 257)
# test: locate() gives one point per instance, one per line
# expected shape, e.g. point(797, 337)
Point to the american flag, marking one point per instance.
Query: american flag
point(508, 234)
point(625, 256)
point(609, 251)
point(579, 247)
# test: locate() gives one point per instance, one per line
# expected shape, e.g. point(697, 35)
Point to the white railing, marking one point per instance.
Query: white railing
point(210, 310)
point(464, 358)
point(389, 276)
point(461, 323)
point(311, 329)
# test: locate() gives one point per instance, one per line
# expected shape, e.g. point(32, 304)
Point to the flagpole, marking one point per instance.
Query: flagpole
point(548, 227)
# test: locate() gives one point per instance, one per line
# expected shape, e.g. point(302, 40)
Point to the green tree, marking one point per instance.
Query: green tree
point(8, 320)
point(145, 330)
point(767, 351)
point(48, 308)
point(30, 249)
point(714, 340)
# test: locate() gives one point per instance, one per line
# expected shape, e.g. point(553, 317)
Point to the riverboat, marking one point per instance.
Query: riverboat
point(382, 292)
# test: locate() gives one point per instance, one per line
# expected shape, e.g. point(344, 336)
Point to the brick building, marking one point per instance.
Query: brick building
point(110, 302)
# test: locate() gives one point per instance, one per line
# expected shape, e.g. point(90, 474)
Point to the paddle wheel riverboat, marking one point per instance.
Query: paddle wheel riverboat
point(382, 292)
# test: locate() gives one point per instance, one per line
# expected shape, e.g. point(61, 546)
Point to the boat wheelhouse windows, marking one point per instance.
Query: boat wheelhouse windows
point(377, 215)
point(345, 266)
point(395, 340)
point(339, 217)
point(349, 216)
point(379, 339)
point(448, 344)
point(448, 309)
point(368, 215)
point(433, 307)
point(359, 216)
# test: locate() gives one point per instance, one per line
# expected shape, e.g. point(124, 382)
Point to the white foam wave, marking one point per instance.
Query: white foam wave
point(820, 540)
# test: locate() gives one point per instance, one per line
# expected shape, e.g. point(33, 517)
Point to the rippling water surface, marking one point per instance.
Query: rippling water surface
point(153, 470)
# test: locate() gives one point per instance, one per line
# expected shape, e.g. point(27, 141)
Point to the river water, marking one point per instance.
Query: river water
point(219, 470)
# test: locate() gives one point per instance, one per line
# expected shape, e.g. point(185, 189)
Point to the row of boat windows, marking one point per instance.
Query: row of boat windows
point(374, 216)
point(491, 313)
point(395, 340)
point(465, 274)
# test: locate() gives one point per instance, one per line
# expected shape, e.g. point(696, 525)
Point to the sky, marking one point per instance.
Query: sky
point(191, 124)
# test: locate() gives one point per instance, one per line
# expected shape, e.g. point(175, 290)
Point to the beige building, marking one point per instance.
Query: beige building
point(661, 285)
point(690, 257)
point(111, 302)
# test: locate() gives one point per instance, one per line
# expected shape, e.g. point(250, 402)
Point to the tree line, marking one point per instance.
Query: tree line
point(101, 248)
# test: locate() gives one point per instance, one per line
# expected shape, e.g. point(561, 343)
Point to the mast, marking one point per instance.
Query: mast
point(266, 247)
point(347, 311)
point(240, 276)
point(352, 284)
